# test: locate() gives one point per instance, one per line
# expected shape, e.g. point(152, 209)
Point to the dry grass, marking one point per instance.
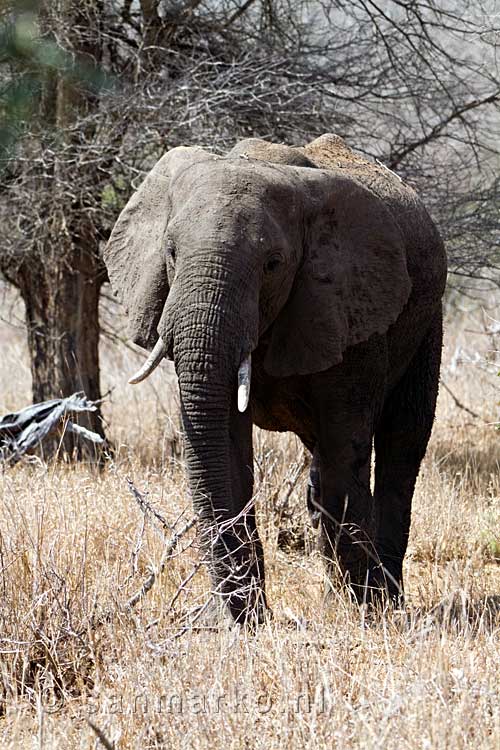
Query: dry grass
point(74, 547)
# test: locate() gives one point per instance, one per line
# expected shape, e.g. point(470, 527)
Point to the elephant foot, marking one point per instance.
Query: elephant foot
point(237, 573)
point(386, 586)
point(352, 560)
point(247, 608)
point(374, 587)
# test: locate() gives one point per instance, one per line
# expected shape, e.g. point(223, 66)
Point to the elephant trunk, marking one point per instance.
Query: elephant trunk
point(208, 349)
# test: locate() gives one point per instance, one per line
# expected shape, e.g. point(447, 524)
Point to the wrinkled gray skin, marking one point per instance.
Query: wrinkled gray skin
point(330, 272)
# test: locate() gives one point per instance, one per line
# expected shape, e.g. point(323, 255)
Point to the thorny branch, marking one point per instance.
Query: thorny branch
point(170, 546)
point(460, 405)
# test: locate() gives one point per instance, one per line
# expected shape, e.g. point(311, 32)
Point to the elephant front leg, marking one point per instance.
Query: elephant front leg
point(239, 558)
point(220, 465)
point(347, 404)
point(347, 517)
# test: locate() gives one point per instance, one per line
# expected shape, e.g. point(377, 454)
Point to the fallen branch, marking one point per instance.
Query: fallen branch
point(23, 430)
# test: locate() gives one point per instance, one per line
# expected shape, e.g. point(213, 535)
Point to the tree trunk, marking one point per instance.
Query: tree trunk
point(60, 276)
point(61, 300)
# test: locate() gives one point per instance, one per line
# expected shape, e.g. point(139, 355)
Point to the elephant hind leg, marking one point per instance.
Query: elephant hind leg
point(401, 438)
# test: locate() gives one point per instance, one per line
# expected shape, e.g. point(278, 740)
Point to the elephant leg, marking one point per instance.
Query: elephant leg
point(314, 490)
point(347, 514)
point(240, 558)
point(348, 400)
point(401, 440)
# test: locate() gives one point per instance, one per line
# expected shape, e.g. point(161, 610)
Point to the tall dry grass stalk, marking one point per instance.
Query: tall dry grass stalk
point(75, 547)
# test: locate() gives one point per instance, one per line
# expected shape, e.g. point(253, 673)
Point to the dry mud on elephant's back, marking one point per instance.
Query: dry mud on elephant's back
point(332, 152)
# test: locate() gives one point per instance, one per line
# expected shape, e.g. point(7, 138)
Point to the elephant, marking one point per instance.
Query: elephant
point(299, 289)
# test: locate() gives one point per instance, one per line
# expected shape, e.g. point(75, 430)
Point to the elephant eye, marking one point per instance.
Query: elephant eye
point(171, 252)
point(273, 262)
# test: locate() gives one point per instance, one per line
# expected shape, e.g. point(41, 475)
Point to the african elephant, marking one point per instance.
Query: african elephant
point(297, 289)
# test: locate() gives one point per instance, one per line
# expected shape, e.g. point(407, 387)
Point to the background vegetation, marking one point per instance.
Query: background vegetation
point(91, 93)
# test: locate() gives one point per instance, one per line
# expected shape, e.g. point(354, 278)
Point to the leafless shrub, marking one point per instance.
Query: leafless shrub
point(115, 84)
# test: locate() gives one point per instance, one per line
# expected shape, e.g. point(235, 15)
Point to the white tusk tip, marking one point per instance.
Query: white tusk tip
point(159, 352)
point(243, 398)
point(244, 380)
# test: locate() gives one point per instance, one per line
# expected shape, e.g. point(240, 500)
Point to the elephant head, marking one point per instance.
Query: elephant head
point(212, 252)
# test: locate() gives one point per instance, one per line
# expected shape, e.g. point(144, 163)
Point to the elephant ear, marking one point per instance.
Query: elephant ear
point(135, 253)
point(353, 281)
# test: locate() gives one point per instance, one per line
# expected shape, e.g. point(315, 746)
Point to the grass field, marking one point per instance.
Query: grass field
point(75, 547)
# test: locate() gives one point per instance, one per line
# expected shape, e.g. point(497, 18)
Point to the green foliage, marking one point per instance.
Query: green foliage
point(111, 200)
point(27, 58)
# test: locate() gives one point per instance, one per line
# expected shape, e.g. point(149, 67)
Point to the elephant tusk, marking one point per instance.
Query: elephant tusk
point(159, 352)
point(244, 381)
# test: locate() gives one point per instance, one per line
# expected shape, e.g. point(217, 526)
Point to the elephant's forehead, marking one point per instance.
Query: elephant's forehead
point(226, 178)
point(234, 203)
